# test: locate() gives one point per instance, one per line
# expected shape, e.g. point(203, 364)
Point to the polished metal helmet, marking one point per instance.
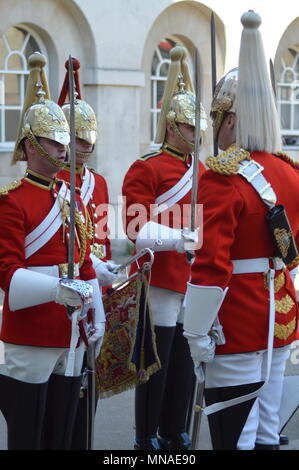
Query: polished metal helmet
point(41, 117)
point(85, 120)
point(178, 104)
point(182, 108)
point(224, 99)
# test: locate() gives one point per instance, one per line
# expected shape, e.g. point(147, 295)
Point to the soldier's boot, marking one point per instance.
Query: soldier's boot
point(177, 396)
point(61, 409)
point(149, 396)
point(226, 425)
point(266, 447)
point(82, 431)
point(23, 407)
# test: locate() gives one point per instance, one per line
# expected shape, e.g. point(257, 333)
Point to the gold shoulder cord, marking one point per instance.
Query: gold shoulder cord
point(227, 163)
point(4, 190)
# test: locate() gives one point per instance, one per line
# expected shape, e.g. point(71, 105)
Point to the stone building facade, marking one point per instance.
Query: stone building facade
point(123, 47)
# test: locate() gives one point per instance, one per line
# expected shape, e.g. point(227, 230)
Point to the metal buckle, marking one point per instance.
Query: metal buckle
point(247, 165)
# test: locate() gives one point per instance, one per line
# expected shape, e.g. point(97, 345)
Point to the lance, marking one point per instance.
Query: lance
point(213, 65)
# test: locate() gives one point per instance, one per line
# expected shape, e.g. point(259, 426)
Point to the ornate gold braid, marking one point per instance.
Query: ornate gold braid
point(287, 159)
point(284, 331)
point(82, 235)
point(43, 152)
point(89, 225)
point(227, 163)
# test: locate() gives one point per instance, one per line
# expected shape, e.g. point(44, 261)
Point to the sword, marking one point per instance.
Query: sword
point(213, 64)
point(90, 354)
point(71, 247)
point(197, 143)
point(273, 81)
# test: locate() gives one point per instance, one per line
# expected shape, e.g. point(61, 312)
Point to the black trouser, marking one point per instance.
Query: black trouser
point(39, 416)
point(161, 404)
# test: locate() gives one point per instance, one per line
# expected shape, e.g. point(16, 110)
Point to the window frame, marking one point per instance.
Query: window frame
point(8, 146)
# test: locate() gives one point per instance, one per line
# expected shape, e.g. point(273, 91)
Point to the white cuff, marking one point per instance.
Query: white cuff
point(202, 306)
point(158, 237)
point(28, 288)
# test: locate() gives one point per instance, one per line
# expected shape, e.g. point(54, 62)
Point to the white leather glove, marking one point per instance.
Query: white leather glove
point(97, 338)
point(187, 242)
point(202, 347)
point(105, 271)
point(67, 297)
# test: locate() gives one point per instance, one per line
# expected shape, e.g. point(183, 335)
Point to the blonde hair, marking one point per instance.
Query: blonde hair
point(258, 126)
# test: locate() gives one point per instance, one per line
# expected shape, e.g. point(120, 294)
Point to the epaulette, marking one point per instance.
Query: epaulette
point(227, 163)
point(4, 190)
point(93, 170)
point(150, 155)
point(287, 159)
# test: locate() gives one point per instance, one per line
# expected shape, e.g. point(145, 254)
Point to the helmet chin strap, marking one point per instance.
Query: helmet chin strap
point(84, 155)
point(180, 135)
point(37, 146)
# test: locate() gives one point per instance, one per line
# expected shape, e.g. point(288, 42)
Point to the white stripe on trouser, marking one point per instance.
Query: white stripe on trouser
point(262, 425)
point(167, 306)
point(35, 364)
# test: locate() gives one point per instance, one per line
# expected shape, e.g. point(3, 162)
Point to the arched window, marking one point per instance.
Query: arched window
point(160, 64)
point(288, 96)
point(16, 45)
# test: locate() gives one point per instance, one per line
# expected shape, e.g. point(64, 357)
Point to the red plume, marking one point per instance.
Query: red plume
point(65, 87)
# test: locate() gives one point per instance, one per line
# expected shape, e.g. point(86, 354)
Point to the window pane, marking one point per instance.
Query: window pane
point(11, 124)
point(155, 63)
point(12, 93)
point(288, 76)
point(286, 116)
point(15, 38)
point(15, 62)
point(31, 47)
point(160, 91)
point(164, 69)
point(286, 93)
point(296, 117)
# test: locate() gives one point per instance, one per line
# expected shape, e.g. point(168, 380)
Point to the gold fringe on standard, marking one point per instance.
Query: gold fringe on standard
point(128, 355)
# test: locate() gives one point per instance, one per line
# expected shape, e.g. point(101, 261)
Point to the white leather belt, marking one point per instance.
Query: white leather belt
point(257, 265)
point(57, 270)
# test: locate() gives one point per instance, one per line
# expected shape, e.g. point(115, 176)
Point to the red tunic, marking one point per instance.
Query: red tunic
point(234, 227)
point(97, 205)
point(22, 210)
point(145, 180)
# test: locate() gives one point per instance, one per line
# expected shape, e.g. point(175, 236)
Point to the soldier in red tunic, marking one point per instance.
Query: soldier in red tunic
point(41, 378)
point(157, 187)
point(241, 273)
point(94, 193)
point(93, 186)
